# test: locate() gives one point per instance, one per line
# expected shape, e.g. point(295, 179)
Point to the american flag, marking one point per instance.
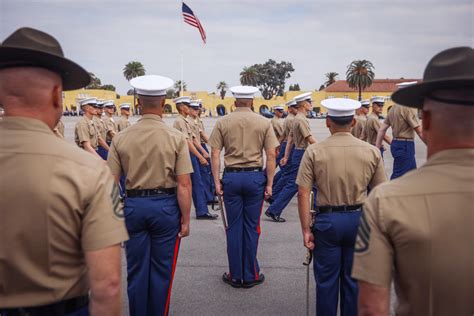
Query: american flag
point(191, 19)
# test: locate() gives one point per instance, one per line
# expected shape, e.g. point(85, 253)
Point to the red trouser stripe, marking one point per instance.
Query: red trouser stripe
point(175, 259)
point(259, 231)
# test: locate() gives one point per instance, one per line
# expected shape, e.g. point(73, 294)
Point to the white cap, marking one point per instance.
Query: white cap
point(338, 107)
point(291, 103)
point(182, 100)
point(303, 97)
point(406, 84)
point(377, 100)
point(244, 92)
point(279, 107)
point(194, 104)
point(151, 85)
point(91, 101)
point(108, 103)
point(125, 106)
point(365, 103)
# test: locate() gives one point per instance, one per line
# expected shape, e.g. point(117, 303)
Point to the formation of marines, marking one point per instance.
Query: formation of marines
point(60, 250)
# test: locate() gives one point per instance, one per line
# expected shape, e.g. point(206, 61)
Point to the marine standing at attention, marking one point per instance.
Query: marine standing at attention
point(85, 132)
point(417, 230)
point(358, 130)
point(157, 199)
point(243, 135)
point(341, 168)
point(123, 121)
point(103, 147)
point(110, 124)
point(373, 123)
point(61, 220)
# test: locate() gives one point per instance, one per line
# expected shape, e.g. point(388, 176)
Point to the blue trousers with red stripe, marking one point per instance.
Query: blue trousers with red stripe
point(206, 178)
point(243, 199)
point(281, 154)
point(199, 195)
point(153, 224)
point(403, 153)
point(283, 174)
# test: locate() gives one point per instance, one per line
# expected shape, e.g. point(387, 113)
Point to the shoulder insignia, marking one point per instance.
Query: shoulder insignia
point(116, 202)
point(363, 235)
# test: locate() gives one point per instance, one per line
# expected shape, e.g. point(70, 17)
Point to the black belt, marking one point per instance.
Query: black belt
point(250, 169)
point(150, 192)
point(55, 309)
point(404, 139)
point(342, 208)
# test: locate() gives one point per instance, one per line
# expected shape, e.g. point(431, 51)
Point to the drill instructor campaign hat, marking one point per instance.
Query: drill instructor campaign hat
point(28, 47)
point(450, 69)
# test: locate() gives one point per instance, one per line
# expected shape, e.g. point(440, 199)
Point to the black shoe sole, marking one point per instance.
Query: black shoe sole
point(234, 285)
point(252, 284)
point(207, 218)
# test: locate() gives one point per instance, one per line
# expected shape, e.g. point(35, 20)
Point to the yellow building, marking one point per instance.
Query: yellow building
point(212, 101)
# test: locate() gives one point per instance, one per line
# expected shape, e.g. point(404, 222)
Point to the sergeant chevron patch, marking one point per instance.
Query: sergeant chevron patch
point(363, 235)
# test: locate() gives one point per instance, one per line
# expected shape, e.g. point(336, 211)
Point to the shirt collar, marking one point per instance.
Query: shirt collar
point(458, 156)
point(242, 109)
point(153, 117)
point(25, 123)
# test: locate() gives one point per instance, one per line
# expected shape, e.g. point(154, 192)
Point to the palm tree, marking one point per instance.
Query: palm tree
point(330, 78)
point(248, 76)
point(177, 87)
point(222, 86)
point(360, 75)
point(131, 70)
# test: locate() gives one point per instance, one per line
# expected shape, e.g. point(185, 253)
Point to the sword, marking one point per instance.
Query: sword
point(309, 253)
point(223, 211)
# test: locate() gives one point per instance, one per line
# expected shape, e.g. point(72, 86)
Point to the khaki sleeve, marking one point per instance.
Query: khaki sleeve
point(373, 252)
point(103, 223)
point(305, 176)
point(83, 132)
point(180, 126)
point(379, 174)
point(411, 117)
point(113, 159)
point(388, 119)
point(216, 140)
point(304, 128)
point(183, 160)
point(271, 141)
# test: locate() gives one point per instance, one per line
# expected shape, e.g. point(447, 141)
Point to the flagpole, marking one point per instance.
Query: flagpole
point(182, 52)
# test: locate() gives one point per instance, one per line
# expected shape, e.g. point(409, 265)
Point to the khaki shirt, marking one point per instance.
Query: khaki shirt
point(244, 135)
point(86, 130)
point(287, 125)
point(201, 129)
point(150, 153)
point(417, 229)
point(403, 121)
point(372, 128)
point(110, 126)
point(101, 128)
point(341, 167)
point(56, 202)
point(183, 125)
point(358, 130)
point(300, 130)
point(194, 127)
point(122, 123)
point(277, 124)
point(60, 128)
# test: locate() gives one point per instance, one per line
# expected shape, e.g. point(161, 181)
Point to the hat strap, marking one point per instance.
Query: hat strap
point(451, 101)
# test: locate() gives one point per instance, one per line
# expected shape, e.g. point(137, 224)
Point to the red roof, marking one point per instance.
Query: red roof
point(378, 85)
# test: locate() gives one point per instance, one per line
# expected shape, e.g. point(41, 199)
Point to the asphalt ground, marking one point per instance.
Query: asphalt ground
point(198, 288)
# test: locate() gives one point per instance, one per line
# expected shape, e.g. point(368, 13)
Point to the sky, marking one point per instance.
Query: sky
point(316, 36)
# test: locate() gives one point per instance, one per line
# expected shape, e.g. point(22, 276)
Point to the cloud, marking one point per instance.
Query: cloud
point(399, 37)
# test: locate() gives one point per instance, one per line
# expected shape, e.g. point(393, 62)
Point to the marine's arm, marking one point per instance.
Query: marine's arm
point(373, 299)
point(184, 191)
point(381, 134)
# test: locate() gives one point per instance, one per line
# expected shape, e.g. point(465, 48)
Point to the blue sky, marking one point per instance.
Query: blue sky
point(398, 36)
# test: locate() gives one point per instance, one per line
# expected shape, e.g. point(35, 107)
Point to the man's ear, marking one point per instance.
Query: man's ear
point(162, 103)
point(328, 124)
point(353, 122)
point(57, 96)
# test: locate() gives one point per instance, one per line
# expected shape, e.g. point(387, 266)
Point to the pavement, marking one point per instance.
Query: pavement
point(198, 288)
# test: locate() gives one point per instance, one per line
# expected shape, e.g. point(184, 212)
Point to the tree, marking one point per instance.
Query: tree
point(95, 82)
point(177, 87)
point(131, 70)
point(130, 92)
point(170, 93)
point(321, 88)
point(222, 86)
point(109, 87)
point(331, 77)
point(294, 87)
point(269, 77)
point(360, 75)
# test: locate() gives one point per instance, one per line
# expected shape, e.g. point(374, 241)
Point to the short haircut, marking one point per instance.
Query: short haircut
point(341, 120)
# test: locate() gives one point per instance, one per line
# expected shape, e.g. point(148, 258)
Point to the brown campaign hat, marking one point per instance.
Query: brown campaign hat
point(450, 69)
point(31, 47)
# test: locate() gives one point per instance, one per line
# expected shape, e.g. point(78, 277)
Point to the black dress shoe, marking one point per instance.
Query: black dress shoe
point(232, 282)
point(215, 201)
point(207, 216)
point(249, 284)
point(275, 218)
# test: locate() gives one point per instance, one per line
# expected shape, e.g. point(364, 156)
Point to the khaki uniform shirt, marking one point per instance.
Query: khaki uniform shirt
point(244, 135)
point(418, 229)
point(358, 130)
point(110, 126)
point(287, 125)
point(341, 167)
point(183, 125)
point(277, 124)
point(60, 128)
point(57, 201)
point(86, 130)
point(202, 130)
point(194, 127)
point(372, 128)
point(150, 153)
point(403, 121)
point(101, 128)
point(300, 130)
point(122, 123)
